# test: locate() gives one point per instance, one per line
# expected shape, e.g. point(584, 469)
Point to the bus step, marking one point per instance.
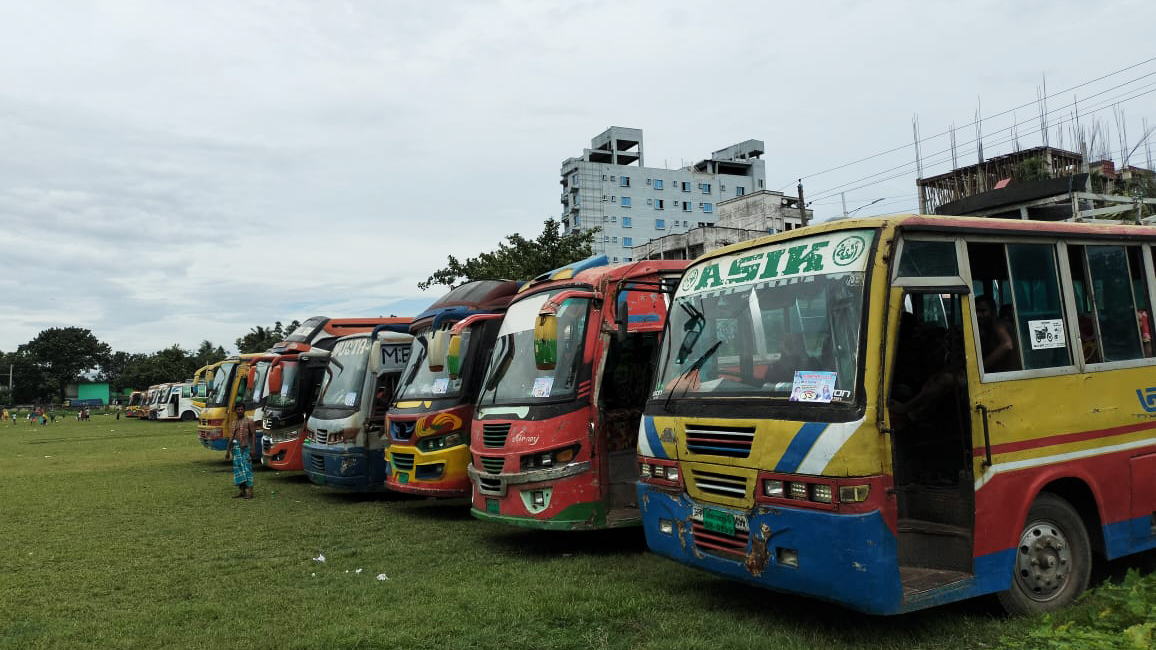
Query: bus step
point(918, 579)
point(934, 546)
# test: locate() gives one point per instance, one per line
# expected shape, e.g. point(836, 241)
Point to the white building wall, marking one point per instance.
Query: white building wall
point(659, 201)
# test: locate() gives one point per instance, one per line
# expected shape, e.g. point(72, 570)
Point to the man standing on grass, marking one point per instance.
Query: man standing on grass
point(242, 439)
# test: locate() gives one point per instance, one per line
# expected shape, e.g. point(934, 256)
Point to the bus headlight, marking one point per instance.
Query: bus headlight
point(644, 470)
point(821, 492)
point(798, 490)
point(854, 493)
point(773, 488)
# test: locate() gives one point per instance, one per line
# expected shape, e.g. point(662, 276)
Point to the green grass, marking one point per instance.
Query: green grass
point(123, 534)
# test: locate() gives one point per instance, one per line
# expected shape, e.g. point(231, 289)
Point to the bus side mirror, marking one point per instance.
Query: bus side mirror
point(546, 342)
point(623, 320)
point(692, 329)
point(439, 343)
point(375, 357)
point(453, 356)
point(275, 379)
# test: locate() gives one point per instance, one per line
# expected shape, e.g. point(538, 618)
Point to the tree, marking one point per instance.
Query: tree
point(61, 354)
point(517, 258)
point(261, 338)
point(170, 364)
point(112, 369)
point(207, 354)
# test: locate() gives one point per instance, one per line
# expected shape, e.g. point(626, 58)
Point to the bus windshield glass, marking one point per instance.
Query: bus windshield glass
point(781, 321)
point(419, 382)
point(512, 376)
point(222, 382)
point(287, 396)
point(254, 393)
point(345, 375)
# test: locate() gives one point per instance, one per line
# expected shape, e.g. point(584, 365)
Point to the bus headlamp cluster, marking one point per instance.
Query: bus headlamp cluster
point(547, 459)
point(811, 491)
point(662, 472)
point(442, 442)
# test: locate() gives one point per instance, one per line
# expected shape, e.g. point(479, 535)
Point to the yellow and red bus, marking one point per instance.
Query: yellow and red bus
point(553, 437)
point(239, 378)
point(894, 413)
point(136, 407)
point(429, 420)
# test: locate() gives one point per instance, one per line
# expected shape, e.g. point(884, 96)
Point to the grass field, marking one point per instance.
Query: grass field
point(123, 534)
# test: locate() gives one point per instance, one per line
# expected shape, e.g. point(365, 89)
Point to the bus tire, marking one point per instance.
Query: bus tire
point(188, 416)
point(1053, 559)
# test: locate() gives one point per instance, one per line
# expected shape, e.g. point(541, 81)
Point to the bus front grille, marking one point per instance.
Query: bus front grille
point(734, 442)
point(403, 462)
point(317, 463)
point(321, 437)
point(493, 464)
point(494, 435)
point(266, 444)
point(720, 543)
point(718, 484)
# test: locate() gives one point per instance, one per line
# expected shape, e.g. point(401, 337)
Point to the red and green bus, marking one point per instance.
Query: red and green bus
point(554, 429)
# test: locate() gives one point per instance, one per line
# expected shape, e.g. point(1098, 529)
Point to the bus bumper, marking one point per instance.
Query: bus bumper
point(849, 559)
point(566, 497)
point(440, 473)
point(281, 455)
point(213, 439)
point(345, 467)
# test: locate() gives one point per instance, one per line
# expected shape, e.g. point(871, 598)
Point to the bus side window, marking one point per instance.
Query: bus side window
point(995, 309)
point(1112, 302)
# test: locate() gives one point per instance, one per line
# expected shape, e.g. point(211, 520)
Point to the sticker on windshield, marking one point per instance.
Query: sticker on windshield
point(440, 386)
point(813, 386)
point(351, 398)
point(542, 386)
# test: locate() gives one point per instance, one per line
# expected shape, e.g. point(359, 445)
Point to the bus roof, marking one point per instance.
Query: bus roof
point(931, 223)
point(602, 274)
point(480, 296)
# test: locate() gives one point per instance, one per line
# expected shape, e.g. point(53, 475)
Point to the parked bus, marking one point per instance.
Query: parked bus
point(295, 381)
point(237, 378)
point(553, 435)
point(346, 442)
point(136, 407)
point(175, 402)
point(895, 413)
point(153, 396)
point(429, 421)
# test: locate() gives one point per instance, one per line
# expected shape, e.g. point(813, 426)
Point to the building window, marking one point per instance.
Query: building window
point(686, 206)
point(613, 219)
point(605, 239)
point(627, 259)
point(576, 222)
point(626, 222)
point(625, 181)
point(614, 240)
point(705, 187)
point(616, 259)
point(605, 218)
point(707, 207)
point(613, 199)
point(659, 204)
point(740, 190)
point(626, 201)
point(760, 183)
point(660, 224)
point(611, 178)
point(686, 186)
point(658, 183)
point(627, 241)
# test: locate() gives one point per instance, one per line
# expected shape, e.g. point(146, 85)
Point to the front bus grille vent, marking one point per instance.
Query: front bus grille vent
point(720, 543)
point(493, 464)
point(494, 435)
point(403, 462)
point(718, 484)
point(734, 442)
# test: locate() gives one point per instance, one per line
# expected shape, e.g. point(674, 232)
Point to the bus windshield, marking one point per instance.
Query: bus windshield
point(222, 382)
point(419, 382)
point(512, 376)
point(254, 393)
point(287, 396)
point(345, 375)
point(781, 321)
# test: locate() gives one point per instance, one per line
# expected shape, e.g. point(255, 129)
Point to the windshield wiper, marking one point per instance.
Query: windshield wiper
point(694, 367)
point(421, 355)
point(499, 368)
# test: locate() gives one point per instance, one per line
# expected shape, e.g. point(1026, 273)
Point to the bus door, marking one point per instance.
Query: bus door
point(931, 425)
point(627, 366)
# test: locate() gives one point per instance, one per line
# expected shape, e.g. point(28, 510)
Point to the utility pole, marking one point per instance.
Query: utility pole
point(843, 195)
point(802, 206)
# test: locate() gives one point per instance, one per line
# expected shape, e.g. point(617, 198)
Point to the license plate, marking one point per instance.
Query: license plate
point(492, 506)
point(403, 477)
point(717, 521)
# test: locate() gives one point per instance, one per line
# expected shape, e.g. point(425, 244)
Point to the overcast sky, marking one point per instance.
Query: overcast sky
point(172, 172)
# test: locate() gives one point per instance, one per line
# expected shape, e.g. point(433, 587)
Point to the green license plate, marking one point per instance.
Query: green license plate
point(718, 522)
point(403, 477)
point(492, 507)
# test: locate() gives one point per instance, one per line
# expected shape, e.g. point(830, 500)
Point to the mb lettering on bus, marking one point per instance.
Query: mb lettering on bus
point(395, 357)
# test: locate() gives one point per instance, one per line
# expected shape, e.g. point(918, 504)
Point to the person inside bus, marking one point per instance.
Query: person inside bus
point(995, 340)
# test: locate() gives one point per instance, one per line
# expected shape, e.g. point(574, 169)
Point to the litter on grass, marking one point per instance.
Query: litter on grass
point(382, 576)
point(320, 558)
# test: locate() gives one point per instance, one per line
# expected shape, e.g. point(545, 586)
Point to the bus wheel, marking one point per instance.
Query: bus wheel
point(1053, 559)
point(188, 416)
